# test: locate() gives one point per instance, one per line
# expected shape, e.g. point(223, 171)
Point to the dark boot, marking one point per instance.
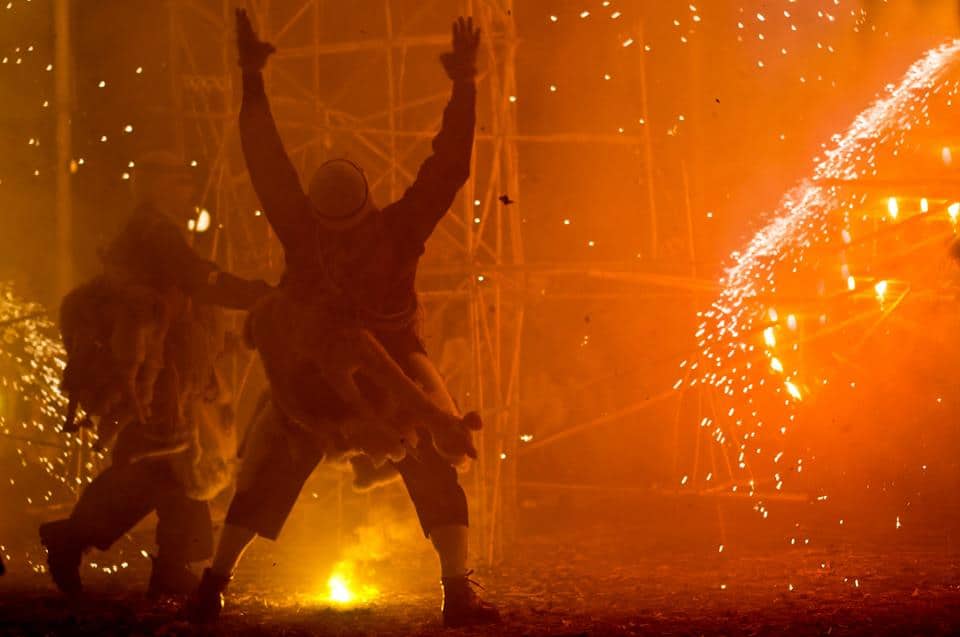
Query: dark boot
point(207, 601)
point(462, 606)
point(64, 552)
point(171, 577)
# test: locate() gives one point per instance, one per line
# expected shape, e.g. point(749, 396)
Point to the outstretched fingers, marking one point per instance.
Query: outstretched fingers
point(253, 52)
point(246, 37)
point(469, 31)
point(244, 28)
point(466, 37)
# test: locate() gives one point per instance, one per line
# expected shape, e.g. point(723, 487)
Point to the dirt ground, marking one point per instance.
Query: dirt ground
point(613, 575)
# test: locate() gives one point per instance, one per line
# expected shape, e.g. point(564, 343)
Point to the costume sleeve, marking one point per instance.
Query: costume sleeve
point(203, 279)
point(155, 249)
point(442, 175)
point(274, 178)
point(181, 266)
point(230, 291)
point(200, 278)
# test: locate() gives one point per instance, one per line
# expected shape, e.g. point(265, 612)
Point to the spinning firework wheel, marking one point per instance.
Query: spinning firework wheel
point(835, 323)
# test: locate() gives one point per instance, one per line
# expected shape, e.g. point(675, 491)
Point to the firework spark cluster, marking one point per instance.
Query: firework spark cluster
point(753, 338)
point(50, 466)
point(32, 359)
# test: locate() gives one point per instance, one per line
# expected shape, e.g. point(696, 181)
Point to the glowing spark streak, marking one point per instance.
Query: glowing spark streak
point(893, 207)
point(769, 337)
point(881, 289)
point(792, 390)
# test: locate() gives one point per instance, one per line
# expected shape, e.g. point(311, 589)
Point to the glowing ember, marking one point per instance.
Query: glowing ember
point(881, 290)
point(792, 389)
point(893, 207)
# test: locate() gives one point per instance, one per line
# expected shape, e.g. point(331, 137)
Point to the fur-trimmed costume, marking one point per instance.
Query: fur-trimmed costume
point(143, 343)
point(114, 337)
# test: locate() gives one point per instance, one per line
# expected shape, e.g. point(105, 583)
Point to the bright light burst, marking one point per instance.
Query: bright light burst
point(746, 352)
point(344, 589)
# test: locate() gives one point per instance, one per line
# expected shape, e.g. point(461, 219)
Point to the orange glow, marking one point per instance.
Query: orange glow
point(343, 589)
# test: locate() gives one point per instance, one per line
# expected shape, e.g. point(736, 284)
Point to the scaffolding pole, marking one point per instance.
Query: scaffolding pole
point(63, 90)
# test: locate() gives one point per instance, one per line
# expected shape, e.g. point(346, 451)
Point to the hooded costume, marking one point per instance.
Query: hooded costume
point(365, 286)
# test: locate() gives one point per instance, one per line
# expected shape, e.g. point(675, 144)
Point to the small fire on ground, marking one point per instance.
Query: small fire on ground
point(344, 587)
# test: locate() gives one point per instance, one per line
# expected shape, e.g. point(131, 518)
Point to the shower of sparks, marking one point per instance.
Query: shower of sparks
point(52, 465)
point(31, 364)
point(749, 346)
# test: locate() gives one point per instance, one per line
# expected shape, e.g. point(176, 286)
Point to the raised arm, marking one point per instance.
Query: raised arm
point(274, 178)
point(230, 291)
point(442, 175)
point(154, 249)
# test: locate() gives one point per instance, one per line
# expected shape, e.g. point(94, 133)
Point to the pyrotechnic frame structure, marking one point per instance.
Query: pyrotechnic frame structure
point(488, 273)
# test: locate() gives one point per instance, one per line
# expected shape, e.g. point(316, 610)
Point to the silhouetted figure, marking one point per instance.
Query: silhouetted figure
point(350, 267)
point(142, 343)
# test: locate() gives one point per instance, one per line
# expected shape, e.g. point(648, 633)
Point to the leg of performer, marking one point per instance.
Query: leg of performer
point(276, 463)
point(111, 505)
point(234, 541)
point(184, 536)
point(207, 601)
point(441, 506)
point(451, 541)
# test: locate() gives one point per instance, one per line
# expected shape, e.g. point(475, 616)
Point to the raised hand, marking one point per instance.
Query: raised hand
point(461, 63)
point(253, 51)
